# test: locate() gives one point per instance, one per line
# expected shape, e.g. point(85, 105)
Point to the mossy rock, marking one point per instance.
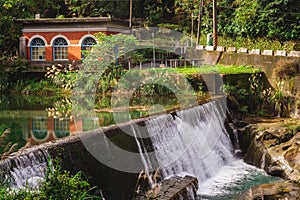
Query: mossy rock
point(268, 136)
point(277, 190)
point(286, 137)
point(293, 157)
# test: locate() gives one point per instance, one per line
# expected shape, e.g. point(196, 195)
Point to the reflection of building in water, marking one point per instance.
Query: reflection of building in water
point(44, 128)
point(39, 129)
point(61, 127)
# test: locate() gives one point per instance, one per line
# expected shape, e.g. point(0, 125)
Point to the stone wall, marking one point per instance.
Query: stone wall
point(264, 59)
point(267, 63)
point(75, 157)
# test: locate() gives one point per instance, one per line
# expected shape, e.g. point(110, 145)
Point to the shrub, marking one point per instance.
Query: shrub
point(13, 64)
point(42, 87)
point(286, 69)
point(59, 184)
point(62, 76)
point(10, 71)
point(235, 96)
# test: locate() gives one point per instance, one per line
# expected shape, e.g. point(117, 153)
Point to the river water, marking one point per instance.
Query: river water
point(199, 146)
point(233, 179)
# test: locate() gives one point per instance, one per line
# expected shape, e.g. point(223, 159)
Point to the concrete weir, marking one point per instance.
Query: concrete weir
point(115, 184)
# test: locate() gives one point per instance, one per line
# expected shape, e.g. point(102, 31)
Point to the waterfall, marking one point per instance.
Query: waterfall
point(236, 143)
point(263, 160)
point(236, 139)
point(146, 161)
point(193, 142)
point(190, 192)
point(25, 170)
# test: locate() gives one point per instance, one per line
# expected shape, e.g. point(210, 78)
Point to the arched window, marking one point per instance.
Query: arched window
point(60, 49)
point(61, 127)
point(37, 49)
point(87, 45)
point(39, 128)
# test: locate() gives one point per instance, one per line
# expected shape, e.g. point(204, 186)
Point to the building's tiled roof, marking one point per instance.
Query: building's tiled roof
point(68, 20)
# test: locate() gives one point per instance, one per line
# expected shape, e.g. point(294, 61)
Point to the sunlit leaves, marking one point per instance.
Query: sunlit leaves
point(8, 4)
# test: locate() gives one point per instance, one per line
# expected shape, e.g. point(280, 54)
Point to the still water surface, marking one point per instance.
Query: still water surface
point(36, 120)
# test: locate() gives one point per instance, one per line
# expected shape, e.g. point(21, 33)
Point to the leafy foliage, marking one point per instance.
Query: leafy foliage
point(276, 20)
point(271, 19)
point(37, 87)
point(158, 11)
point(286, 69)
point(236, 95)
point(6, 146)
point(11, 138)
point(104, 59)
point(62, 76)
point(256, 43)
point(11, 69)
point(58, 184)
point(280, 18)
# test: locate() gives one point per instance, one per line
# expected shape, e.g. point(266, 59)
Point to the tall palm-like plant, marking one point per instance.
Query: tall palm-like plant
point(6, 145)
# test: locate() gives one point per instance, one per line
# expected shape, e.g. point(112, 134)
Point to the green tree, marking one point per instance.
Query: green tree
point(158, 11)
point(245, 17)
point(184, 10)
point(274, 19)
point(16, 9)
point(104, 59)
point(280, 19)
point(225, 16)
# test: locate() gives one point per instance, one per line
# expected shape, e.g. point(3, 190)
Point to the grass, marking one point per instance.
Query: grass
point(241, 69)
point(222, 69)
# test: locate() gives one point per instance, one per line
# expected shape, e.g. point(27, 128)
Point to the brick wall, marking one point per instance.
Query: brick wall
point(74, 39)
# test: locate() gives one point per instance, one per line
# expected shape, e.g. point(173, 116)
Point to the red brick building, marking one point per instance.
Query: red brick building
point(64, 39)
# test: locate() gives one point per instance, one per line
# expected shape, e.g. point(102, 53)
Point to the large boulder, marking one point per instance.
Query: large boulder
point(280, 190)
point(275, 147)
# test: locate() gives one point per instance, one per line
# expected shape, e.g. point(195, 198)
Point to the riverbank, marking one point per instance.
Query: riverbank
point(274, 145)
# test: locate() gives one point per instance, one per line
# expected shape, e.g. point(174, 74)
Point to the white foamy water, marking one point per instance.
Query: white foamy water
point(195, 142)
point(228, 176)
point(27, 170)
